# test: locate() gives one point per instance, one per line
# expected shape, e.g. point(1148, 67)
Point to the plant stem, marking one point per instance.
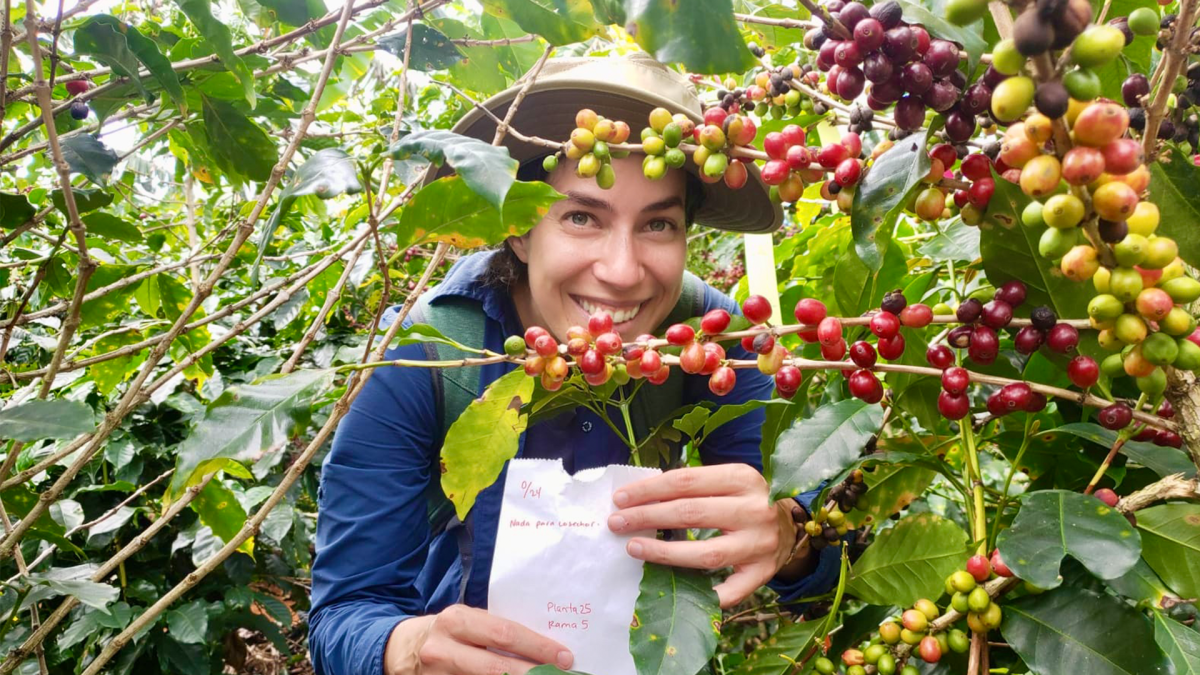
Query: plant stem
point(1030, 428)
point(1122, 436)
point(975, 478)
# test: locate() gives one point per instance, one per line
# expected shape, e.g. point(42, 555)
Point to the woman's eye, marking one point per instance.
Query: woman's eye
point(660, 226)
point(577, 218)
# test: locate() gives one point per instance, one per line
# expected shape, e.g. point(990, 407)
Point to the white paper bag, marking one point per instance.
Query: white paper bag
point(559, 570)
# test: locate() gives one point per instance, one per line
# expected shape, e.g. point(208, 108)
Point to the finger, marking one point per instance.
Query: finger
point(742, 583)
point(698, 481)
point(480, 628)
point(710, 554)
point(724, 513)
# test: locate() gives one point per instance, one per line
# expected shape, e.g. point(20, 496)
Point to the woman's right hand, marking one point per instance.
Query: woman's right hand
point(456, 641)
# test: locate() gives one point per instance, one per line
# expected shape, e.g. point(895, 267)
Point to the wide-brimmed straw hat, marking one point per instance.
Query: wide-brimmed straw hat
point(619, 88)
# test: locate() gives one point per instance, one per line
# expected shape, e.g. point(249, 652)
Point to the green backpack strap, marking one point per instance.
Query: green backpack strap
point(461, 320)
point(655, 403)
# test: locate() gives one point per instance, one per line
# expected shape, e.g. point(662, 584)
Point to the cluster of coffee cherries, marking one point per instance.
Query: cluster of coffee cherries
point(589, 146)
point(828, 524)
point(894, 312)
point(772, 93)
point(1183, 123)
point(792, 164)
point(1162, 437)
point(929, 203)
point(903, 64)
point(968, 597)
point(771, 354)
point(79, 109)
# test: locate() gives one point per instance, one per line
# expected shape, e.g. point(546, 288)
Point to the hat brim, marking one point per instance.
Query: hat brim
point(548, 111)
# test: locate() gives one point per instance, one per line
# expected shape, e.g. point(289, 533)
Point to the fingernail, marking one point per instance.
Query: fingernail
point(635, 549)
point(616, 523)
point(620, 497)
point(565, 659)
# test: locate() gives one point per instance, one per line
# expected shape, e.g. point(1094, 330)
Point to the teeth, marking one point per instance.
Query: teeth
point(618, 316)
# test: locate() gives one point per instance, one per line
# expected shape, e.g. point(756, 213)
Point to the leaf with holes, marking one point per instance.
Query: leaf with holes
point(909, 561)
point(1171, 545)
point(85, 154)
point(817, 448)
point(1054, 523)
point(431, 49)
point(1181, 644)
point(701, 34)
point(448, 211)
point(245, 423)
point(890, 489)
point(35, 420)
point(483, 438)
point(882, 194)
point(1072, 630)
point(676, 621)
point(487, 169)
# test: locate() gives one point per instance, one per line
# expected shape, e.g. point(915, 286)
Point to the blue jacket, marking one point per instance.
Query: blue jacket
point(377, 563)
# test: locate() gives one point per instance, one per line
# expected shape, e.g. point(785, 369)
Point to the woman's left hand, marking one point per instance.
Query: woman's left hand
point(758, 534)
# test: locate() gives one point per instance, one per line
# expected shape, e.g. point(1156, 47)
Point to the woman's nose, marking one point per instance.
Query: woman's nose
point(618, 263)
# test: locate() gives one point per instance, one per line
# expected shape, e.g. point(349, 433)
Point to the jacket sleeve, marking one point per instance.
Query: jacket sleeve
point(372, 527)
point(739, 441)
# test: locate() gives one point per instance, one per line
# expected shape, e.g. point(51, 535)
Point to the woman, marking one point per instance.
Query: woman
point(391, 596)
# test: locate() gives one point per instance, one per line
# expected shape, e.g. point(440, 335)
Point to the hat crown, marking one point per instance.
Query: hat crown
point(636, 70)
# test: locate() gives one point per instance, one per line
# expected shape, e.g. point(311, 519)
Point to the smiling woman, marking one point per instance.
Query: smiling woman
point(398, 590)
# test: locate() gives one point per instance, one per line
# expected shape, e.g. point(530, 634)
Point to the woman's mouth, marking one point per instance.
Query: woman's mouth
point(620, 314)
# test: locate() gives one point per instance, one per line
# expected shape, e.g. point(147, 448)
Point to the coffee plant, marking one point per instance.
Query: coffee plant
point(980, 314)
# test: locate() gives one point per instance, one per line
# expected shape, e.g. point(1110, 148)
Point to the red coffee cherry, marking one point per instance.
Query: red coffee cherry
point(862, 354)
point(810, 312)
point(715, 321)
point(756, 309)
point(680, 334)
point(939, 356)
point(1083, 371)
point(1107, 496)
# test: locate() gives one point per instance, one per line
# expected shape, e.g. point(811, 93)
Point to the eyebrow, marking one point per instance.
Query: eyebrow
point(593, 202)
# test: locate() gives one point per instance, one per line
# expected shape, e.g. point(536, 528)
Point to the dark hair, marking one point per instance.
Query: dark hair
point(505, 269)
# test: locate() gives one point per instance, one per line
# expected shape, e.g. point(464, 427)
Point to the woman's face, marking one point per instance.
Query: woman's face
point(620, 250)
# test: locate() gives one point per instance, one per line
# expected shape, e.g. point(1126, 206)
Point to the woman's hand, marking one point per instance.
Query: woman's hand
point(758, 535)
point(456, 641)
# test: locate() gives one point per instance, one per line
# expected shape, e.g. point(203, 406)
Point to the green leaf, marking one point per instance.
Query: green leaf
point(882, 194)
point(15, 210)
point(819, 447)
point(487, 169)
point(480, 70)
point(856, 288)
point(216, 35)
point(1162, 460)
point(448, 211)
point(909, 561)
point(693, 421)
point(121, 47)
point(36, 419)
point(189, 624)
point(957, 241)
point(1010, 251)
point(890, 489)
point(676, 621)
point(559, 22)
point(1053, 523)
point(1173, 187)
point(239, 146)
point(111, 227)
point(728, 413)
point(76, 581)
point(483, 438)
point(547, 669)
point(294, 12)
point(515, 58)
point(773, 38)
point(85, 200)
point(246, 422)
point(330, 172)
point(971, 40)
point(1181, 644)
point(1142, 584)
point(701, 34)
point(88, 156)
point(776, 654)
point(421, 333)
point(431, 49)
point(219, 509)
point(1074, 630)
point(1171, 545)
